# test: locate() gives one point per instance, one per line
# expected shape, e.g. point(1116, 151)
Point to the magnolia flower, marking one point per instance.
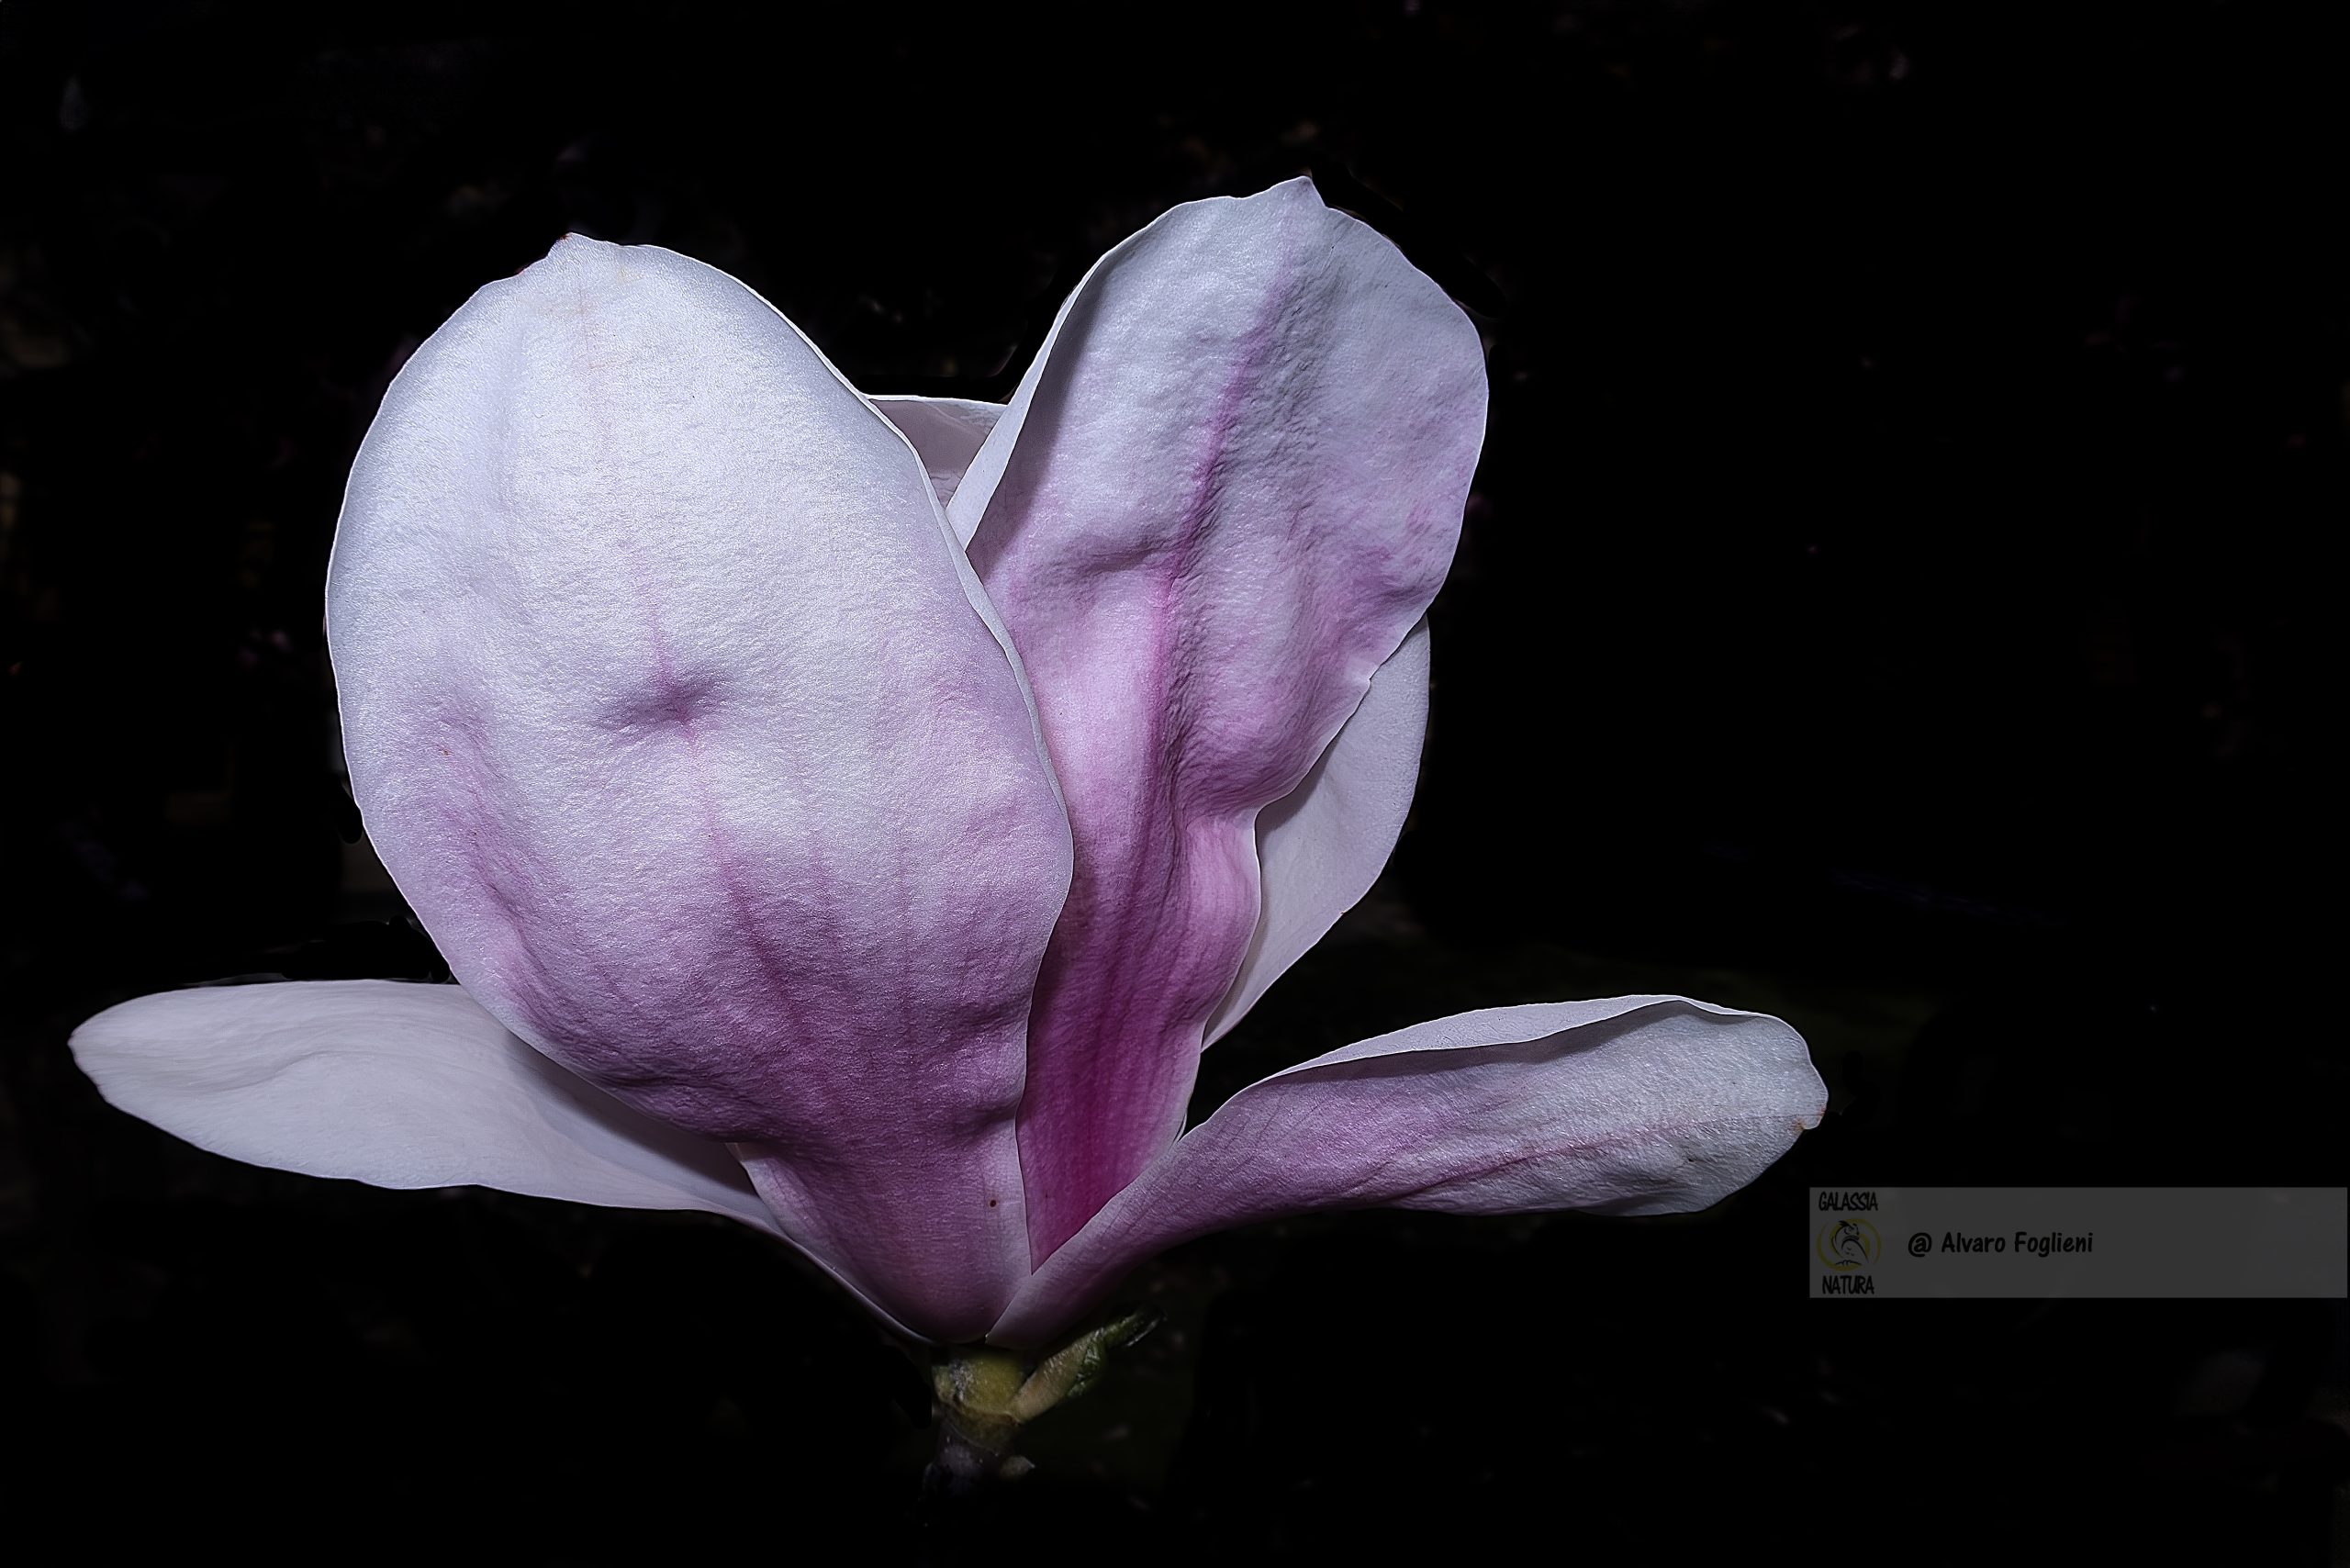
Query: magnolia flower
point(853, 815)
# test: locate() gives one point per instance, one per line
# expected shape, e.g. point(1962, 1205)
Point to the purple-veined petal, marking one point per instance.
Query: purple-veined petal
point(677, 715)
point(945, 432)
point(398, 1085)
point(1215, 504)
point(1633, 1105)
point(1320, 848)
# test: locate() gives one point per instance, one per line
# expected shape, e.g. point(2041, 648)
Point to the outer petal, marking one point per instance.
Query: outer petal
point(1321, 848)
point(398, 1085)
point(1226, 490)
point(1640, 1104)
point(945, 432)
point(680, 720)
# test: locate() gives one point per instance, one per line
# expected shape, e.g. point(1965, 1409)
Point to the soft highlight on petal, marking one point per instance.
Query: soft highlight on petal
point(945, 432)
point(678, 715)
point(1216, 504)
point(1321, 848)
point(398, 1085)
point(1634, 1105)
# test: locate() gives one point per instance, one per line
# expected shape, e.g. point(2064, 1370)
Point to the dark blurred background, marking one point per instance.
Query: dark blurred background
point(1890, 599)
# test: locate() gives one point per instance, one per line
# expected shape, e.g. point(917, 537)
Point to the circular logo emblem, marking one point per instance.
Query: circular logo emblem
point(1848, 1244)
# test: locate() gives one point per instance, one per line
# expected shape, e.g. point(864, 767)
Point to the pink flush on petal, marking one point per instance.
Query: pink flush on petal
point(853, 815)
point(680, 720)
point(1234, 480)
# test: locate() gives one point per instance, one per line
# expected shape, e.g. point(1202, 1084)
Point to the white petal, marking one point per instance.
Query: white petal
point(396, 1085)
point(947, 434)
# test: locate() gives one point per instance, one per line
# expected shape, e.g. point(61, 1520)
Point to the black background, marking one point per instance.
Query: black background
point(1890, 599)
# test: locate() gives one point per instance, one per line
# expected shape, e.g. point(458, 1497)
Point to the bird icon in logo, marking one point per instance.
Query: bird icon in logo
point(1848, 1244)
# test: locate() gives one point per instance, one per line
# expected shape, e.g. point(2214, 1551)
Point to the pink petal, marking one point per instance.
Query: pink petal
point(1321, 847)
point(1639, 1104)
point(683, 723)
point(1226, 490)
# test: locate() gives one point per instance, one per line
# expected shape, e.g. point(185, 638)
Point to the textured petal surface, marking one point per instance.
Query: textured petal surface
point(1216, 504)
point(678, 716)
point(1639, 1104)
point(396, 1085)
point(947, 434)
point(1320, 849)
